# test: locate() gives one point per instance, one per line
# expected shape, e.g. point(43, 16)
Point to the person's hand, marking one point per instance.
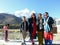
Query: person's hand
point(36, 31)
point(27, 32)
point(20, 31)
point(50, 32)
point(44, 23)
point(32, 25)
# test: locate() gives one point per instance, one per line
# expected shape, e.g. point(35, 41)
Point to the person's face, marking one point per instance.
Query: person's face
point(40, 16)
point(24, 19)
point(32, 16)
point(45, 15)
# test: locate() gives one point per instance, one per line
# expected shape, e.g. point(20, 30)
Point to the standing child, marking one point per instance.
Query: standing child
point(23, 29)
point(5, 28)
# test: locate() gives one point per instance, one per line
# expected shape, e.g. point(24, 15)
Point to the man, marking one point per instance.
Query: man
point(48, 35)
point(24, 28)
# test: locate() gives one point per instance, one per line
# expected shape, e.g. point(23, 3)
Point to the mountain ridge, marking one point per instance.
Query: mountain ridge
point(9, 18)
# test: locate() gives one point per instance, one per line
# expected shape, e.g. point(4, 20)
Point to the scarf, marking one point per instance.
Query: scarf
point(46, 26)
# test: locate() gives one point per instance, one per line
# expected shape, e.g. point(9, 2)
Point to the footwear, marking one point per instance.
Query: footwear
point(40, 44)
point(23, 44)
point(6, 40)
point(32, 43)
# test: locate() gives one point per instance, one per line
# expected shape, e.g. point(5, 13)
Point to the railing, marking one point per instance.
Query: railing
point(12, 34)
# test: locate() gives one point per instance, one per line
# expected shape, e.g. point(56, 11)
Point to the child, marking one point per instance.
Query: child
point(5, 28)
point(24, 28)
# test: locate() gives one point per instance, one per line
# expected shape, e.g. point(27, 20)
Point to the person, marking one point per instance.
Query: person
point(48, 35)
point(32, 27)
point(24, 29)
point(5, 28)
point(40, 28)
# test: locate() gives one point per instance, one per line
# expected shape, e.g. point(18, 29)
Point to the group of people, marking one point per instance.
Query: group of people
point(40, 27)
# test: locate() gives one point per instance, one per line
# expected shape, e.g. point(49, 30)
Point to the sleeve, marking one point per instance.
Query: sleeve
point(3, 27)
point(27, 26)
point(51, 21)
point(37, 25)
point(29, 20)
point(21, 27)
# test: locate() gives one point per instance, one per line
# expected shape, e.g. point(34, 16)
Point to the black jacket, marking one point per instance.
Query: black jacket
point(22, 26)
point(30, 20)
point(50, 22)
point(38, 23)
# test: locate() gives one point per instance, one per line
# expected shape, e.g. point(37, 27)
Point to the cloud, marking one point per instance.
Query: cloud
point(25, 12)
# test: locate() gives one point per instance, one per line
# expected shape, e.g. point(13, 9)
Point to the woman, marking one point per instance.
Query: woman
point(32, 27)
point(40, 29)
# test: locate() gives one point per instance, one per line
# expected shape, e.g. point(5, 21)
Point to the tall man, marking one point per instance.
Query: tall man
point(48, 35)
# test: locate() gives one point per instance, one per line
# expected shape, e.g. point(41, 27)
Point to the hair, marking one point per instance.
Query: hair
point(24, 17)
point(35, 16)
point(47, 13)
point(39, 14)
point(7, 24)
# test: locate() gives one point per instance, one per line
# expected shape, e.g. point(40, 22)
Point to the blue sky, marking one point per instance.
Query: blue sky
point(28, 6)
